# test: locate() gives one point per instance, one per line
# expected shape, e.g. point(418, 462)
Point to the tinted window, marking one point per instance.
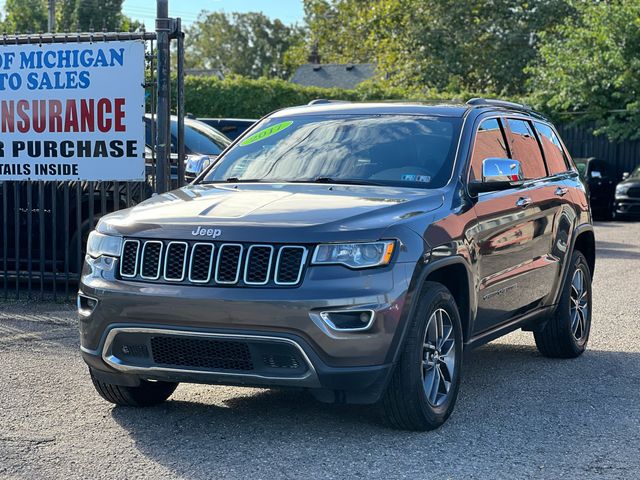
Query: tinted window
point(598, 169)
point(198, 138)
point(401, 150)
point(524, 148)
point(552, 148)
point(489, 143)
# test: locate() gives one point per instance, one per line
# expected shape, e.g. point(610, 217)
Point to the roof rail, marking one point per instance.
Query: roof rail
point(320, 101)
point(498, 103)
point(490, 102)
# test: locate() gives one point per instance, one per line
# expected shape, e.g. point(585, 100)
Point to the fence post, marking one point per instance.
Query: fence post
point(180, 101)
point(163, 142)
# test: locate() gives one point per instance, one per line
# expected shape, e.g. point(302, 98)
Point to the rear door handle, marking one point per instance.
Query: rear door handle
point(524, 202)
point(561, 191)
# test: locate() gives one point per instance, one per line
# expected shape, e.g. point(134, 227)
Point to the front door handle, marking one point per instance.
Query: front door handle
point(562, 191)
point(524, 202)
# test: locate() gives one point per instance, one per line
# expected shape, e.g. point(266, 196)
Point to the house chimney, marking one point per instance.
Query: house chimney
point(314, 56)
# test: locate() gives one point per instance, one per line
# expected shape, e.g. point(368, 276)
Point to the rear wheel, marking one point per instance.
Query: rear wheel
point(144, 395)
point(567, 332)
point(424, 386)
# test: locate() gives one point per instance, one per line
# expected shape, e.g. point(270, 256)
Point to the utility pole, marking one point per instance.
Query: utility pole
point(52, 16)
point(163, 142)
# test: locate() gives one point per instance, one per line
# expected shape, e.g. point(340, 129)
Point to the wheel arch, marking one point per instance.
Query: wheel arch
point(454, 272)
point(585, 242)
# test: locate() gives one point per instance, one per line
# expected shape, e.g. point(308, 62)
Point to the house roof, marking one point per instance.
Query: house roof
point(333, 75)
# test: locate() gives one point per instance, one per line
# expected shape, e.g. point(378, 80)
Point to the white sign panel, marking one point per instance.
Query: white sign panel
point(72, 111)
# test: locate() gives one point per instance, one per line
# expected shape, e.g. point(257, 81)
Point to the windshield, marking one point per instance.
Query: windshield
point(636, 173)
point(395, 150)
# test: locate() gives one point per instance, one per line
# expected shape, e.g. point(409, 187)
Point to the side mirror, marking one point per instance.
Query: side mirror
point(498, 174)
point(625, 175)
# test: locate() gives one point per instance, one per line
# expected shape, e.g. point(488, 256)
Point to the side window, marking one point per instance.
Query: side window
point(552, 148)
point(489, 143)
point(524, 148)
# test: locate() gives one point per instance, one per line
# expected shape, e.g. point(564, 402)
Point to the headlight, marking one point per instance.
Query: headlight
point(99, 244)
point(197, 163)
point(355, 255)
point(622, 189)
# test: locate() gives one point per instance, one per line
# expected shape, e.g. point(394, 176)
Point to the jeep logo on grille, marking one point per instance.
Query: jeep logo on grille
point(206, 232)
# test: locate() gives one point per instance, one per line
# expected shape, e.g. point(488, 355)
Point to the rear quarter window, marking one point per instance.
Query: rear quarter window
point(557, 161)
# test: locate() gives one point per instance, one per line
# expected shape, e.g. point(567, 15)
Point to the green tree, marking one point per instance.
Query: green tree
point(98, 15)
point(71, 15)
point(248, 44)
point(479, 45)
point(24, 16)
point(592, 65)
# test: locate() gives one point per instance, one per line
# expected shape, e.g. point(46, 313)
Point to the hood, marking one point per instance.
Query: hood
point(273, 212)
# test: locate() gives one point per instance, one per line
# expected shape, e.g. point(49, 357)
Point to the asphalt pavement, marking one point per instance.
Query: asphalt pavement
point(519, 415)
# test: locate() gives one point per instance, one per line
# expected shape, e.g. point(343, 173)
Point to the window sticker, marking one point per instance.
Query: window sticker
point(267, 132)
point(409, 177)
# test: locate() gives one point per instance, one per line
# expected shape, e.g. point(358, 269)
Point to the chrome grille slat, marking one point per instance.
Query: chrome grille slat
point(195, 257)
point(127, 268)
point(153, 263)
point(252, 263)
point(171, 264)
point(228, 265)
point(284, 277)
point(212, 263)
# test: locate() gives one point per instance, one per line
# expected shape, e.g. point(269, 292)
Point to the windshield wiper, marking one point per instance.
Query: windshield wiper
point(327, 180)
point(234, 180)
point(338, 181)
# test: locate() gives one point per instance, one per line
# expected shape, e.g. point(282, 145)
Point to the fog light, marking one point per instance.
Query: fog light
point(348, 320)
point(86, 305)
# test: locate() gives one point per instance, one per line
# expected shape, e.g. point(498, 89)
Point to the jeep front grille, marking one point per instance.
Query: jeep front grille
point(214, 264)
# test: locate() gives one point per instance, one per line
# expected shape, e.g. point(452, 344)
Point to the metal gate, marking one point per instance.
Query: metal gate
point(44, 224)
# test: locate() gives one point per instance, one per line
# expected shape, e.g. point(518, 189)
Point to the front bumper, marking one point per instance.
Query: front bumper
point(336, 365)
point(627, 206)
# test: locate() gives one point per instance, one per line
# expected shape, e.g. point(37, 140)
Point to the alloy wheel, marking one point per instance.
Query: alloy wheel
point(438, 357)
point(579, 305)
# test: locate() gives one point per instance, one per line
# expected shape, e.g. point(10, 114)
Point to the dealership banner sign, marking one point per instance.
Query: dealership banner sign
point(72, 111)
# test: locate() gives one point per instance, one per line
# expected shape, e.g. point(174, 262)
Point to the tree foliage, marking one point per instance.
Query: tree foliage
point(25, 16)
point(482, 45)
point(237, 96)
point(22, 16)
point(592, 66)
point(248, 44)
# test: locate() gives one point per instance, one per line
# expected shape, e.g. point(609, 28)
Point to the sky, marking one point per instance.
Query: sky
point(289, 11)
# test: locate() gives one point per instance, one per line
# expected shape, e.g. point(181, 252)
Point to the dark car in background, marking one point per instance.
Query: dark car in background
point(231, 127)
point(627, 196)
point(600, 183)
point(202, 144)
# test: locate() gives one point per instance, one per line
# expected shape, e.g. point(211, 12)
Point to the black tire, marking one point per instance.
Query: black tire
point(144, 395)
point(561, 337)
point(406, 403)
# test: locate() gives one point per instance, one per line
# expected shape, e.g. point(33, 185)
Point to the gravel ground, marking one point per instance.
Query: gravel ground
point(518, 415)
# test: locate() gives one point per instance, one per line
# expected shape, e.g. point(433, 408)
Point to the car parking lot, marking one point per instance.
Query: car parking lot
point(519, 414)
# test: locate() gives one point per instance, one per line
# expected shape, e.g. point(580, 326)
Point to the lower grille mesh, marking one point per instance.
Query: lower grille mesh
point(201, 353)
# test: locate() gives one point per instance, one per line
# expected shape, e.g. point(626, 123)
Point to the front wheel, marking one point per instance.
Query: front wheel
point(566, 333)
point(424, 386)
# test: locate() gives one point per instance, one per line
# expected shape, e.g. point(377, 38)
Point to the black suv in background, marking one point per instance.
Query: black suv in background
point(627, 196)
point(600, 184)
point(352, 250)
